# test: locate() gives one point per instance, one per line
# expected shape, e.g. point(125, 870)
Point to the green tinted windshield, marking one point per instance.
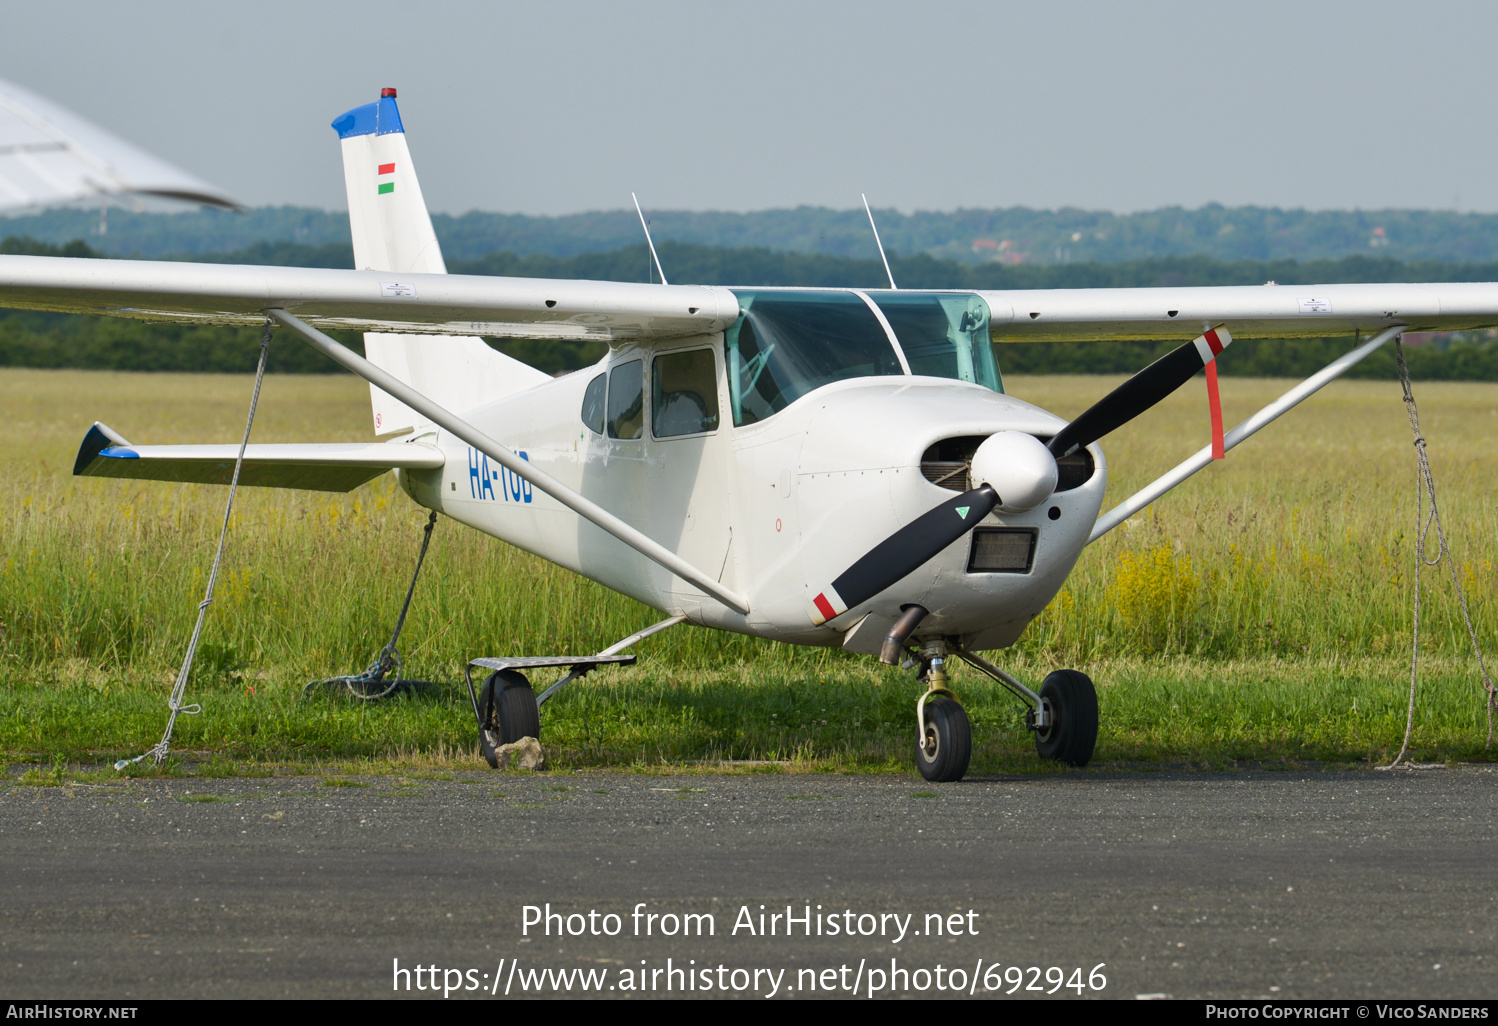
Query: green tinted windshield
point(785, 344)
point(945, 336)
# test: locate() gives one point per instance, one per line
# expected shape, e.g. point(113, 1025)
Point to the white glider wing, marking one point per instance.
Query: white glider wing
point(324, 468)
point(453, 304)
point(49, 155)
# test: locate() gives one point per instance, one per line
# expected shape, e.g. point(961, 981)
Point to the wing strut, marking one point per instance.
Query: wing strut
point(1284, 404)
point(583, 507)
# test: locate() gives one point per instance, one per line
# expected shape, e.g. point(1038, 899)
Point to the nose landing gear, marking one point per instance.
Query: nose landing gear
point(944, 741)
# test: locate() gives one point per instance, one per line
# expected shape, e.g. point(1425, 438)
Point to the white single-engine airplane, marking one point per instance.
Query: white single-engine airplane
point(834, 467)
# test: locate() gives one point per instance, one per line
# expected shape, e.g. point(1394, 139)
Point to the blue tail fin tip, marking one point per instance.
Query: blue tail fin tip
point(382, 117)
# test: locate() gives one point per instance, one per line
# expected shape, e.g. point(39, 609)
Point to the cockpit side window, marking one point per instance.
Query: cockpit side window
point(785, 344)
point(593, 405)
point(945, 336)
point(684, 393)
point(627, 400)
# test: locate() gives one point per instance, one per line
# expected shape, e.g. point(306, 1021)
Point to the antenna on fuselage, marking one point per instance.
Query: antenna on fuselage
point(648, 241)
point(887, 272)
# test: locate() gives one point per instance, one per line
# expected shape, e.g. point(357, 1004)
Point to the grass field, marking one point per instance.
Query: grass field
point(1259, 613)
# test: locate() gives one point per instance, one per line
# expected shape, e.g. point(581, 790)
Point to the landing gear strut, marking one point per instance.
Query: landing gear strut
point(1063, 717)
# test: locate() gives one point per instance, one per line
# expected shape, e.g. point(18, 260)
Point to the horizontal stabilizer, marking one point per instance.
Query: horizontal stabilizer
point(323, 468)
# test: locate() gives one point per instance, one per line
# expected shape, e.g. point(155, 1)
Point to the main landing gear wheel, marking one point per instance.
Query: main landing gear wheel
point(947, 741)
point(508, 712)
point(1071, 700)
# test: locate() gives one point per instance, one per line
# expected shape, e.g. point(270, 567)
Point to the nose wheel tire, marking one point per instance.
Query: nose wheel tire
point(1071, 700)
point(507, 712)
point(947, 741)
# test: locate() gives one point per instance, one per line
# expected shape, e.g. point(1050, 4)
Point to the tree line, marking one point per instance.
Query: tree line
point(975, 235)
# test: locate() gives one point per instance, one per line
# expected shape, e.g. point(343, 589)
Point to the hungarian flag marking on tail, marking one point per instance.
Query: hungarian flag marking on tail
point(389, 186)
point(1209, 344)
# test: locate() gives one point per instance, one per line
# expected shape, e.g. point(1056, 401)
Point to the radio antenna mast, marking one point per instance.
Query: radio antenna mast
point(648, 241)
point(874, 226)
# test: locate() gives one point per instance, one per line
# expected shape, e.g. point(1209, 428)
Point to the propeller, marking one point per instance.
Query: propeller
point(902, 552)
point(1140, 392)
point(1018, 472)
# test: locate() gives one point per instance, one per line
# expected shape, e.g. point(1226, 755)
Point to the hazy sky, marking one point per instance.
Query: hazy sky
point(554, 107)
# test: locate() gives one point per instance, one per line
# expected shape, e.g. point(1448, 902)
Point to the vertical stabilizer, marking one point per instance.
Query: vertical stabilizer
point(387, 215)
point(392, 231)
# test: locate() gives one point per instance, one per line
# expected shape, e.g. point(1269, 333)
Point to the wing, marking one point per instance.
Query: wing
point(545, 308)
point(1249, 311)
point(454, 304)
point(325, 468)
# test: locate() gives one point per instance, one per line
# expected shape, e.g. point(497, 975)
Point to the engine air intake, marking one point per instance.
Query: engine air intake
point(948, 462)
point(1074, 470)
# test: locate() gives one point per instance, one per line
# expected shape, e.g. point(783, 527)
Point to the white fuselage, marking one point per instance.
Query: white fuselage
point(770, 509)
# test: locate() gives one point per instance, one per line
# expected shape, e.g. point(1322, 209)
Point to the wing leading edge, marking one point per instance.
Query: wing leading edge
point(324, 468)
point(452, 304)
point(1249, 311)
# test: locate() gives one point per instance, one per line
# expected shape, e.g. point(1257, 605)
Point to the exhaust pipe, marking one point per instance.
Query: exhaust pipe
point(894, 641)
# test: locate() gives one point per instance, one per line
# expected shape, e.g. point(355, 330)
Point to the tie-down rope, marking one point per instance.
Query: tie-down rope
point(1425, 485)
point(179, 689)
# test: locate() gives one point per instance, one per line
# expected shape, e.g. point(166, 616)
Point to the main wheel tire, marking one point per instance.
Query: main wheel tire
point(948, 741)
point(1072, 734)
point(507, 711)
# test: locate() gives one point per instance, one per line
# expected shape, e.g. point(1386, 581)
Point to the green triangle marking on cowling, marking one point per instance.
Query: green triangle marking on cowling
point(962, 511)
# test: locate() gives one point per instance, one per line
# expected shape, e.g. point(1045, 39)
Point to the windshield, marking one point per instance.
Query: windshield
point(945, 336)
point(785, 344)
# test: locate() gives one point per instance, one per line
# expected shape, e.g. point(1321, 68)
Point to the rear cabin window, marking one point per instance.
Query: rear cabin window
point(593, 405)
point(785, 344)
point(626, 407)
point(684, 393)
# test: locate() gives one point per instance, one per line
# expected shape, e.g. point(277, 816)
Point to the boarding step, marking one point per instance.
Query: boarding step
point(578, 667)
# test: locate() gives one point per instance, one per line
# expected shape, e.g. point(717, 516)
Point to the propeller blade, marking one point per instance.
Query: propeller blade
point(902, 552)
point(1140, 392)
